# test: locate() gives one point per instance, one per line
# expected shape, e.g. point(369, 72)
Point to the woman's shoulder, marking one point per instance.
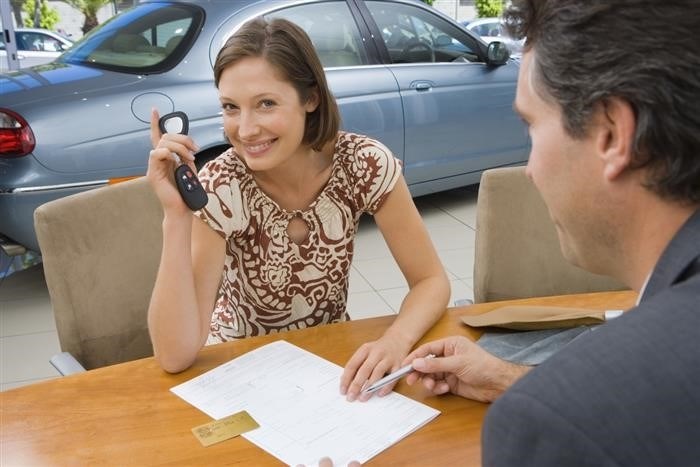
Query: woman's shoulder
point(351, 142)
point(355, 147)
point(226, 165)
point(369, 167)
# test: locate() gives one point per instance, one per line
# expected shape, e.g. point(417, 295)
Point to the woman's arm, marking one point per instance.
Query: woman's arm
point(191, 262)
point(185, 291)
point(409, 242)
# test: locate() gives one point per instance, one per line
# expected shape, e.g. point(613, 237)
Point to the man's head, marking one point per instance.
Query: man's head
point(643, 52)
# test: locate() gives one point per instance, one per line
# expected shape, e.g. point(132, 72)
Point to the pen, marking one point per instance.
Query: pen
point(391, 377)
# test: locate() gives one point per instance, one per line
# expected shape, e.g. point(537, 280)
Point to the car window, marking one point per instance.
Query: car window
point(413, 35)
point(489, 28)
point(332, 30)
point(37, 42)
point(151, 38)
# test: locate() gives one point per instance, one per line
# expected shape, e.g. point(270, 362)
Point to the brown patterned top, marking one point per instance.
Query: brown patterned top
point(269, 283)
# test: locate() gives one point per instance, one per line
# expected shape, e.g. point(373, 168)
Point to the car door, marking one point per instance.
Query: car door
point(457, 109)
point(35, 48)
point(366, 92)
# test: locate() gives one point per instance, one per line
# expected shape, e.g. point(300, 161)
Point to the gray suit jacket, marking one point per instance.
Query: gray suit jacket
point(627, 394)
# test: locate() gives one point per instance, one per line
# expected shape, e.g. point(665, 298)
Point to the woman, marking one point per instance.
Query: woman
point(271, 251)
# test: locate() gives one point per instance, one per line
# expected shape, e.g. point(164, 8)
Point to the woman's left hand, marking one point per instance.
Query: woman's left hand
point(371, 362)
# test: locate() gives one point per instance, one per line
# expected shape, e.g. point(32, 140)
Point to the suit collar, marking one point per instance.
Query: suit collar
point(680, 258)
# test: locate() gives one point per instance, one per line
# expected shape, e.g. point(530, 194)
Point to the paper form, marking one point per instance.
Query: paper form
point(294, 396)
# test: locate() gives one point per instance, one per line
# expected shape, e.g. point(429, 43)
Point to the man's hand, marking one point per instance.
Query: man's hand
point(463, 368)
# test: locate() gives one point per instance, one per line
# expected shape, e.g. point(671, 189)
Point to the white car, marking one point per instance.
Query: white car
point(34, 47)
point(491, 29)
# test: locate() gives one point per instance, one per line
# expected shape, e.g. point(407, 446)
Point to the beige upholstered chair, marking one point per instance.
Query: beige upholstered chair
point(517, 249)
point(101, 250)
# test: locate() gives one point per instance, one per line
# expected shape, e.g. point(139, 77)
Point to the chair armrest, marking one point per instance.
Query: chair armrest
point(463, 302)
point(66, 364)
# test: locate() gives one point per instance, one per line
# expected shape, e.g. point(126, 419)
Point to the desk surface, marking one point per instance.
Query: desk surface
point(125, 414)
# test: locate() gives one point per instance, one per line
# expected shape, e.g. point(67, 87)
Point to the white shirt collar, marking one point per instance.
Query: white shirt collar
point(644, 287)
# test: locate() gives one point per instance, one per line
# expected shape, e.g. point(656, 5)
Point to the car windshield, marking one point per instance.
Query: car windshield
point(150, 38)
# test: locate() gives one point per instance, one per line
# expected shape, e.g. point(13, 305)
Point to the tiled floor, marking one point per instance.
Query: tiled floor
point(28, 332)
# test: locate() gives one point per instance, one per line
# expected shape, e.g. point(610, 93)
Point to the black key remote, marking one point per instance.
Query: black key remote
point(186, 180)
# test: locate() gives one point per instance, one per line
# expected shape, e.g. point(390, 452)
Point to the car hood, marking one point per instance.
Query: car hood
point(50, 81)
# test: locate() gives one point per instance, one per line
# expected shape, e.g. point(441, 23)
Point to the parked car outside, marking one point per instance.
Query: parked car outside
point(402, 72)
point(34, 47)
point(492, 29)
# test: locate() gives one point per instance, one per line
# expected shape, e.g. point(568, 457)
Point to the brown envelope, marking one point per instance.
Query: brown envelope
point(528, 318)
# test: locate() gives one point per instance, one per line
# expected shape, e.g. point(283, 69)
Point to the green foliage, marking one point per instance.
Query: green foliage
point(89, 8)
point(48, 17)
point(488, 8)
point(429, 2)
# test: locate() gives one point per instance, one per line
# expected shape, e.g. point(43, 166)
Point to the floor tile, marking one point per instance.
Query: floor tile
point(460, 291)
point(469, 283)
point(30, 315)
point(17, 384)
point(381, 273)
point(357, 282)
point(369, 243)
point(460, 262)
point(23, 284)
point(27, 356)
point(459, 203)
point(367, 305)
point(394, 297)
point(434, 216)
point(452, 238)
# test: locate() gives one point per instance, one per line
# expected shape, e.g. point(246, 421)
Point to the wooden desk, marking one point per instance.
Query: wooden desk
point(126, 415)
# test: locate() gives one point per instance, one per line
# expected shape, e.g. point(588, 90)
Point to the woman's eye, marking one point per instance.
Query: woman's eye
point(228, 107)
point(267, 103)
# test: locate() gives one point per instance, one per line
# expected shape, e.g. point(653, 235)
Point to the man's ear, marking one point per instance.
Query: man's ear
point(617, 123)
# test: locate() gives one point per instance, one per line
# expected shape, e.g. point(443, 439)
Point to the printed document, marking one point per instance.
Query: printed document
point(294, 396)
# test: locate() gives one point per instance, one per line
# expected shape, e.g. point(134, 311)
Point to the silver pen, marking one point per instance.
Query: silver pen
point(391, 377)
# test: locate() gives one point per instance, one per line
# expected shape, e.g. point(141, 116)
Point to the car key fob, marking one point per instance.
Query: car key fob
point(186, 180)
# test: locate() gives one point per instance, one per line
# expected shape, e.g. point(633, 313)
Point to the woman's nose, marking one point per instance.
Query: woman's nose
point(247, 125)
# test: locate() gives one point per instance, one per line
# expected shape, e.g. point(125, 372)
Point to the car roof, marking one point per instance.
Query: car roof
point(479, 21)
point(45, 31)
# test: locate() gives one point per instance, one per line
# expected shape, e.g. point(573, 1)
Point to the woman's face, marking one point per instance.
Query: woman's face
point(263, 116)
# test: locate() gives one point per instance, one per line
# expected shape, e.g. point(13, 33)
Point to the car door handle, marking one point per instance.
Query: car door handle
point(421, 85)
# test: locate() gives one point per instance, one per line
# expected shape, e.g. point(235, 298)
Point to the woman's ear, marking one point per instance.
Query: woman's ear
point(313, 101)
point(616, 128)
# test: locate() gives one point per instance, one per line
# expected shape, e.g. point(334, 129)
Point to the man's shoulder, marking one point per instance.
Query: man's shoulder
point(617, 386)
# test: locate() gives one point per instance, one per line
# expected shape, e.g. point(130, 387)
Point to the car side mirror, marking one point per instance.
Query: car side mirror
point(497, 53)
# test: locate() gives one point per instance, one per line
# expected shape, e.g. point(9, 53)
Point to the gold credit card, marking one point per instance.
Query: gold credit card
point(225, 428)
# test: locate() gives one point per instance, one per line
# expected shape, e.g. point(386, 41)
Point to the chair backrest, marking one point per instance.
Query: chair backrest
point(517, 252)
point(101, 250)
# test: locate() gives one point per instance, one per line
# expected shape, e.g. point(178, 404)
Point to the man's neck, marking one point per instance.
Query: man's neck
point(651, 228)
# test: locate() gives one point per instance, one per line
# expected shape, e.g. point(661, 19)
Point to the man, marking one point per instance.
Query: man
point(611, 94)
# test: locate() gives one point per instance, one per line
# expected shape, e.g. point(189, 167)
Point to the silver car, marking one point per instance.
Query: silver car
point(492, 29)
point(402, 72)
point(34, 47)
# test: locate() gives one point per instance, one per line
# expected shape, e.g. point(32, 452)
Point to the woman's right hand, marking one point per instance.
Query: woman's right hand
point(162, 165)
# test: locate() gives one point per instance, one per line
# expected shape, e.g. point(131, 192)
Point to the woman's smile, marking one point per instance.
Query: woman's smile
point(258, 148)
